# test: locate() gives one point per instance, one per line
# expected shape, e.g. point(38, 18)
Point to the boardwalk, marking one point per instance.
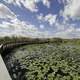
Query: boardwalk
point(4, 75)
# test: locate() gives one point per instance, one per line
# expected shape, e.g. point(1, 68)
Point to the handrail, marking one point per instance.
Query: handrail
point(11, 46)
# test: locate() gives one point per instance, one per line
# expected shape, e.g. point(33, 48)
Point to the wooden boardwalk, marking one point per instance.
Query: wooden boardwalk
point(4, 75)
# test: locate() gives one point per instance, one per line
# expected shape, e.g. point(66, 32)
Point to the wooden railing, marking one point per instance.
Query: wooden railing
point(7, 47)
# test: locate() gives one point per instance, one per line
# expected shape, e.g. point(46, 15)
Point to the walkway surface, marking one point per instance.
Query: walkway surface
point(4, 75)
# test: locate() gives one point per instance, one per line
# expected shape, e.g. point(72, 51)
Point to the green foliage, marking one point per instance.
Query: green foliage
point(45, 62)
point(13, 39)
point(54, 59)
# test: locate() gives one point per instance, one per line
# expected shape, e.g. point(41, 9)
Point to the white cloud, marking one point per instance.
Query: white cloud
point(69, 32)
point(61, 1)
point(29, 4)
point(72, 9)
point(41, 26)
point(60, 26)
point(40, 17)
point(46, 3)
point(5, 12)
point(50, 18)
point(19, 28)
point(16, 27)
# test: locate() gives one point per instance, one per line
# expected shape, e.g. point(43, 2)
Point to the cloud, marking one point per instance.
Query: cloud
point(41, 26)
point(50, 18)
point(40, 17)
point(5, 12)
point(29, 4)
point(68, 32)
point(72, 9)
point(61, 1)
point(16, 27)
point(20, 28)
point(61, 26)
point(46, 3)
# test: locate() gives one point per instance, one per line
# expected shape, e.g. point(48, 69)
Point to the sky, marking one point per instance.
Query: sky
point(40, 18)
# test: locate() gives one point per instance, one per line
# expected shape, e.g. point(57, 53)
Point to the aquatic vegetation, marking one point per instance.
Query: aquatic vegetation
point(45, 62)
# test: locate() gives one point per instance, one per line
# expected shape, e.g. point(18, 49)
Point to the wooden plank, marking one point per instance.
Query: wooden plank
point(4, 75)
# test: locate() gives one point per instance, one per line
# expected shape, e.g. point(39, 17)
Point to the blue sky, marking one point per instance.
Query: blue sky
point(40, 18)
